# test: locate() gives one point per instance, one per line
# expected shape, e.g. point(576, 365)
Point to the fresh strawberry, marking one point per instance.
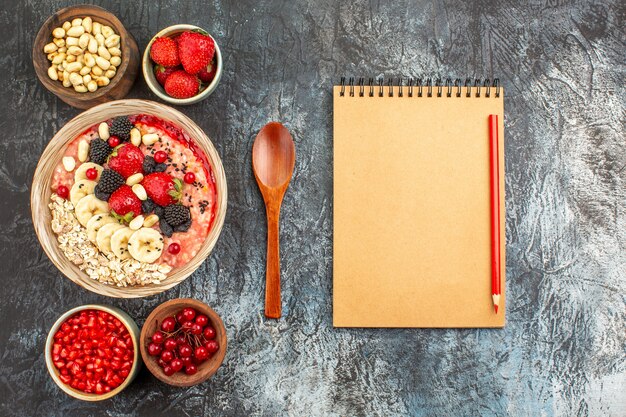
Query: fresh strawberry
point(162, 189)
point(195, 50)
point(124, 204)
point(182, 85)
point(207, 74)
point(164, 51)
point(126, 159)
point(161, 73)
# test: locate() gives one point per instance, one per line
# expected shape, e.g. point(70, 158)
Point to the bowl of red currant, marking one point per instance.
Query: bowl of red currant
point(183, 342)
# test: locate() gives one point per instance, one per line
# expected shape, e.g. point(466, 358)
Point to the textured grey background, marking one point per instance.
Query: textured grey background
point(562, 351)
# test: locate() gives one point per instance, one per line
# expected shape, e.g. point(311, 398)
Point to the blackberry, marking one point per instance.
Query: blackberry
point(160, 168)
point(158, 210)
point(101, 195)
point(148, 165)
point(121, 127)
point(147, 206)
point(109, 182)
point(99, 151)
point(166, 229)
point(183, 227)
point(176, 214)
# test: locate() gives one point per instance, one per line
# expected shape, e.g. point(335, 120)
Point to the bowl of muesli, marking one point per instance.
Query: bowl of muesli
point(129, 198)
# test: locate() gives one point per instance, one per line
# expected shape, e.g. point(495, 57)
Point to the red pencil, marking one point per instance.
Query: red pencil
point(494, 176)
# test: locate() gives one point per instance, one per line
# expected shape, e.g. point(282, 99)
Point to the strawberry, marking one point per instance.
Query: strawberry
point(126, 159)
point(182, 85)
point(124, 204)
point(164, 51)
point(162, 189)
point(195, 50)
point(161, 73)
point(207, 74)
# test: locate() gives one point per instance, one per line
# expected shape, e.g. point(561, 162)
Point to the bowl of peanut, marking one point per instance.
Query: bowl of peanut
point(85, 56)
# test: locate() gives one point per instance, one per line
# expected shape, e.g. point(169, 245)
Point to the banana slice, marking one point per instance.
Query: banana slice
point(81, 171)
point(119, 242)
point(89, 206)
point(95, 223)
point(81, 189)
point(103, 237)
point(145, 245)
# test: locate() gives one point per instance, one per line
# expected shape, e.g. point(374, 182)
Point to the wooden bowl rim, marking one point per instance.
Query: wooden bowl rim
point(215, 361)
point(55, 87)
point(40, 198)
point(154, 85)
point(132, 328)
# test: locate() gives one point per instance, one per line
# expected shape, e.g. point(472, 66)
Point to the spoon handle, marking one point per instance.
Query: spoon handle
point(272, 275)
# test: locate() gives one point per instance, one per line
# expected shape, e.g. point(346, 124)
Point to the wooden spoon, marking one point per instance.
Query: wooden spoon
point(273, 159)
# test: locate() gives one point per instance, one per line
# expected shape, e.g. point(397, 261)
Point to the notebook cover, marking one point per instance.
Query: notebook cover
point(411, 211)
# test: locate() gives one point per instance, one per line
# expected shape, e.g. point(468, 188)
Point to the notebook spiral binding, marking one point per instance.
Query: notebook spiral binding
point(477, 88)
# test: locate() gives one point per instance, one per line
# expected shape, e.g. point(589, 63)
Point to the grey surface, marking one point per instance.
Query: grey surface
point(562, 351)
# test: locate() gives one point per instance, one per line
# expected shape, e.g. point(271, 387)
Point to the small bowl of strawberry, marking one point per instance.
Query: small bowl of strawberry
point(182, 64)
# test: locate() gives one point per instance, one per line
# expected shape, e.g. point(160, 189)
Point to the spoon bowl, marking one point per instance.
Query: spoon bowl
point(273, 160)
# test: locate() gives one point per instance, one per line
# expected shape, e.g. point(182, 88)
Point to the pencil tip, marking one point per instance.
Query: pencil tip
point(495, 307)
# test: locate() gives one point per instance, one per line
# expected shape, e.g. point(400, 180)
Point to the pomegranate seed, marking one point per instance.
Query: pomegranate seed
point(189, 177)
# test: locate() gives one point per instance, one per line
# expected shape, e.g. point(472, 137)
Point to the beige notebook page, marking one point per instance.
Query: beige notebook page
point(411, 244)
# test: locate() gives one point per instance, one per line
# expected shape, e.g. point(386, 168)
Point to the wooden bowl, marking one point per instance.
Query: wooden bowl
point(170, 309)
point(134, 335)
point(153, 84)
point(126, 72)
point(41, 191)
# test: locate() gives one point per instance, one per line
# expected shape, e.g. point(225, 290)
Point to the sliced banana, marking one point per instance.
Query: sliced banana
point(89, 206)
point(103, 237)
point(119, 242)
point(81, 189)
point(145, 245)
point(96, 222)
point(81, 171)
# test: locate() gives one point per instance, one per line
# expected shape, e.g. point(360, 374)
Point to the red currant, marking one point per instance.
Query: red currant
point(154, 349)
point(209, 332)
point(176, 364)
point(212, 346)
point(201, 354)
point(160, 157)
point(185, 350)
point(189, 313)
point(196, 329)
point(63, 191)
point(114, 141)
point(167, 356)
point(187, 360)
point(173, 248)
point(170, 344)
point(202, 320)
point(189, 178)
point(191, 369)
point(168, 325)
point(168, 370)
point(179, 317)
point(181, 340)
point(91, 174)
point(158, 338)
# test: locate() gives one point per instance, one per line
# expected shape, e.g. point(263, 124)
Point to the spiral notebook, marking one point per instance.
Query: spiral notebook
point(411, 245)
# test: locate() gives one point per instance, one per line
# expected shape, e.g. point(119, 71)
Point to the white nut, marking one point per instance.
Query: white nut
point(115, 51)
point(136, 223)
point(103, 130)
point(111, 41)
point(150, 220)
point(86, 78)
point(66, 26)
point(52, 73)
point(59, 74)
point(140, 192)
point(74, 50)
point(96, 70)
point(76, 31)
point(84, 71)
point(102, 63)
point(83, 151)
point(62, 49)
point(96, 28)
point(93, 45)
point(52, 55)
point(59, 59)
point(104, 52)
point(80, 88)
point(70, 58)
point(135, 136)
point(69, 163)
point(100, 39)
point(58, 33)
point(59, 42)
point(87, 24)
point(110, 73)
point(80, 58)
point(66, 74)
point(49, 48)
point(66, 82)
point(71, 41)
point(107, 31)
point(90, 61)
point(134, 179)
point(83, 41)
point(92, 85)
point(75, 79)
point(102, 81)
point(77, 22)
point(149, 139)
point(73, 66)
point(115, 61)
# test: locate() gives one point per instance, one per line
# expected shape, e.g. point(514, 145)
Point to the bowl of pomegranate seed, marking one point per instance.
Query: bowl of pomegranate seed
point(92, 352)
point(182, 64)
point(183, 342)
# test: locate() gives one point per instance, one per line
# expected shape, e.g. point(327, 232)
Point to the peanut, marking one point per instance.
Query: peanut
point(135, 136)
point(83, 41)
point(58, 59)
point(69, 163)
point(80, 88)
point(50, 47)
point(66, 83)
point(77, 22)
point(103, 131)
point(62, 49)
point(74, 50)
point(134, 179)
point(104, 52)
point(140, 192)
point(52, 55)
point(100, 38)
point(86, 79)
point(115, 51)
point(66, 26)
point(87, 24)
point(53, 74)
point(58, 33)
point(59, 42)
point(103, 81)
point(96, 70)
point(92, 86)
point(75, 79)
point(70, 58)
point(149, 139)
point(115, 61)
point(107, 31)
point(84, 71)
point(83, 150)
point(73, 67)
point(136, 223)
point(76, 31)
point(102, 63)
point(111, 41)
point(110, 73)
point(70, 41)
point(97, 28)
point(150, 220)
point(93, 45)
